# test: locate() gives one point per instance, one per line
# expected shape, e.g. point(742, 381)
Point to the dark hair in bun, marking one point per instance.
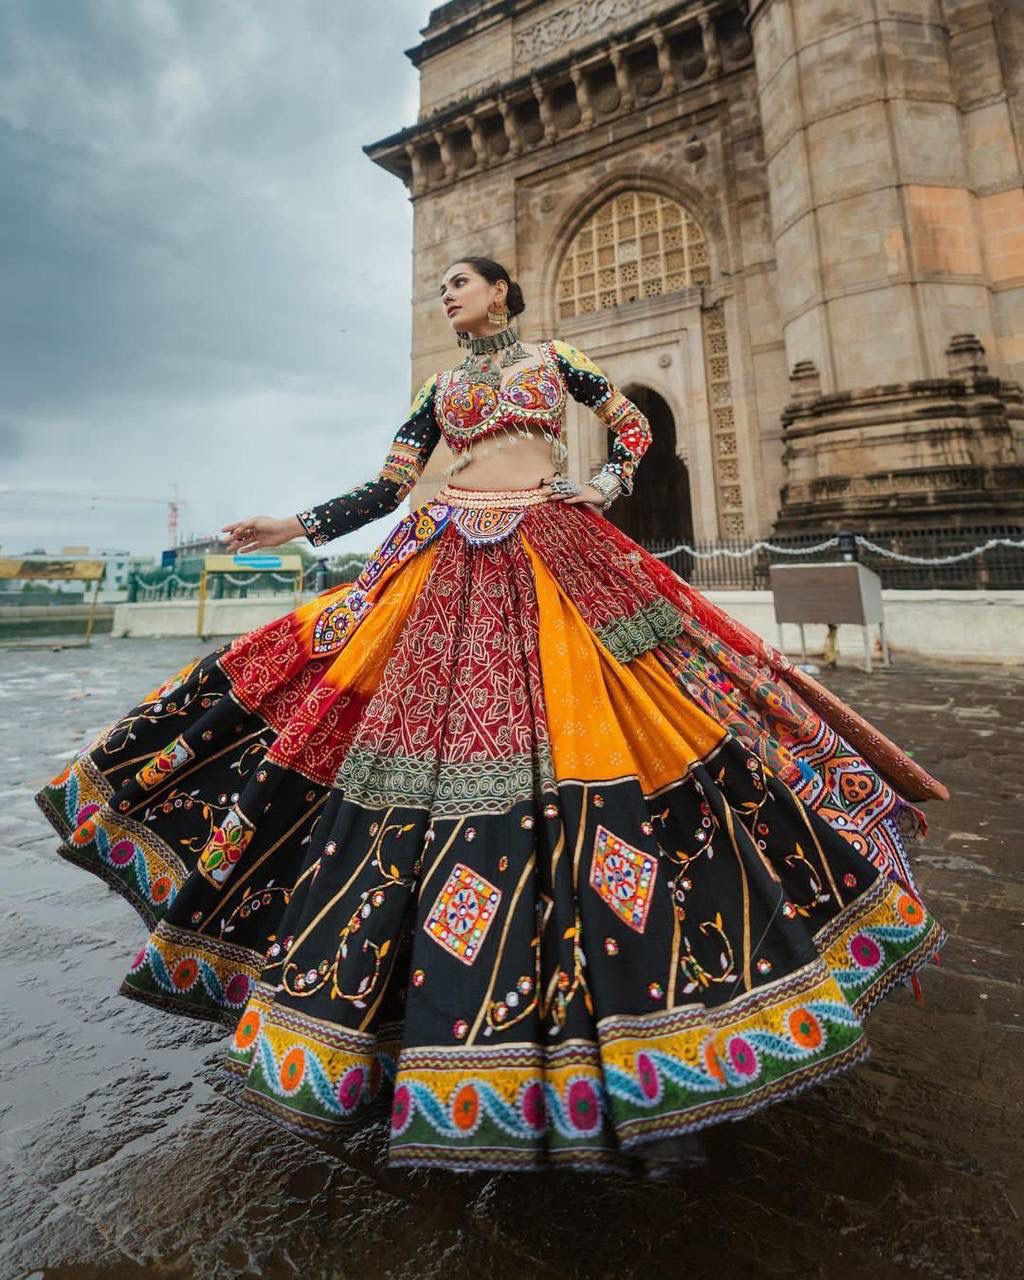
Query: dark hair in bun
point(492, 272)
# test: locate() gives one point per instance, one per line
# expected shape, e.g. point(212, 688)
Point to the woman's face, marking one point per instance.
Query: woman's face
point(467, 297)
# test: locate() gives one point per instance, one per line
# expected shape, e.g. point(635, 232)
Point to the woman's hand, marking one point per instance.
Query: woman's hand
point(588, 495)
point(260, 531)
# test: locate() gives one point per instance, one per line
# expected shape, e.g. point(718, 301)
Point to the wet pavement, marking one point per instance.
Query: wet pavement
point(123, 1155)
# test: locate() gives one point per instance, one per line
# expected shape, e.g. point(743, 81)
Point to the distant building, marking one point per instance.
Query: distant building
point(203, 545)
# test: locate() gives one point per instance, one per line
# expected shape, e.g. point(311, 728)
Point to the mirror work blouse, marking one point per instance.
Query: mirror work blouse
point(462, 413)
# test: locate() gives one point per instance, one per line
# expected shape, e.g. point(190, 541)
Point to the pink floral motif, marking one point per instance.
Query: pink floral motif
point(121, 853)
point(237, 990)
point(865, 951)
point(584, 1111)
point(350, 1089)
point(650, 1081)
point(743, 1057)
point(401, 1110)
point(533, 1105)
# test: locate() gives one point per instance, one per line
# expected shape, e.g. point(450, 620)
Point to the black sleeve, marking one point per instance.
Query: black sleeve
point(589, 385)
point(412, 446)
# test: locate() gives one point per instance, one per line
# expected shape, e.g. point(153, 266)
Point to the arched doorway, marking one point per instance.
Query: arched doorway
point(658, 512)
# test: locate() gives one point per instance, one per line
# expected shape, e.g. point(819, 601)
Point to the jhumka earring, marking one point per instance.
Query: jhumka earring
point(498, 318)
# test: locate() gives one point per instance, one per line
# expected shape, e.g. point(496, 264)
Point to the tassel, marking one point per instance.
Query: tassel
point(915, 983)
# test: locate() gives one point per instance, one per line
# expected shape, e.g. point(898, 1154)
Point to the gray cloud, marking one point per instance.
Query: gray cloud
point(206, 282)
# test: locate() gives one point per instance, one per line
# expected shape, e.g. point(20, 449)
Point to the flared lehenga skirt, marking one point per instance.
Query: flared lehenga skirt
point(517, 835)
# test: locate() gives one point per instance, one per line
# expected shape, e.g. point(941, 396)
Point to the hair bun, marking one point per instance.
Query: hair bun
point(516, 302)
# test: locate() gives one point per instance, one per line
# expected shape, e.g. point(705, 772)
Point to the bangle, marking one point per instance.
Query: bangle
point(608, 485)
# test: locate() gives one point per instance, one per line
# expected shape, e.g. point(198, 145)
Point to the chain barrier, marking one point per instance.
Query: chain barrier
point(833, 542)
point(234, 579)
point(747, 551)
point(254, 577)
point(962, 555)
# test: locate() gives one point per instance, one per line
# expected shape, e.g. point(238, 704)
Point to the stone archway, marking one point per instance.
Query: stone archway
point(658, 512)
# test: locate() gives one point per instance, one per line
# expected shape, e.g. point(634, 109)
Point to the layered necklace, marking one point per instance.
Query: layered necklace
point(481, 364)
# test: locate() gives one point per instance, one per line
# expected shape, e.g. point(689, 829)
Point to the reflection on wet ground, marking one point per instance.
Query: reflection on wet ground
point(122, 1154)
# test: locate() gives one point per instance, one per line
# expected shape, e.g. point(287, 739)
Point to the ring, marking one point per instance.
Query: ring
point(563, 484)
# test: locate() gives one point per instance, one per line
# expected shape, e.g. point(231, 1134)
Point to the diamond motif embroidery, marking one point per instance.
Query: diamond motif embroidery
point(624, 877)
point(462, 913)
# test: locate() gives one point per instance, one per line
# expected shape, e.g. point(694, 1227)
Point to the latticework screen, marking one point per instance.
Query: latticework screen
point(637, 245)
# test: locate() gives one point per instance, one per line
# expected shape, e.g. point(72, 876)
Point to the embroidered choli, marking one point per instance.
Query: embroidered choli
point(464, 413)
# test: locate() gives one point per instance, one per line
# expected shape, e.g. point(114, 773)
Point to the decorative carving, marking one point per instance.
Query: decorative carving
point(574, 21)
point(725, 451)
point(965, 356)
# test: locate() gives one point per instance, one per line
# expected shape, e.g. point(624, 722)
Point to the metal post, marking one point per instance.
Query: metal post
point(886, 662)
point(201, 609)
point(92, 612)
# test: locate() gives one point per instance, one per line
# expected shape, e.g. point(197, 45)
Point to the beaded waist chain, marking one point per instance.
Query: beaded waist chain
point(507, 499)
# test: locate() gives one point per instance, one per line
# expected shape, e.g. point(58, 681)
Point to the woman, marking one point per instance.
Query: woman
point(518, 834)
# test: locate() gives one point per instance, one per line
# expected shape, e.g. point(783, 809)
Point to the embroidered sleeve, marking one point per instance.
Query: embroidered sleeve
point(412, 446)
point(588, 384)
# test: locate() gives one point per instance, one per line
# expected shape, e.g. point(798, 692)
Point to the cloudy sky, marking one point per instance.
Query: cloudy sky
point(205, 281)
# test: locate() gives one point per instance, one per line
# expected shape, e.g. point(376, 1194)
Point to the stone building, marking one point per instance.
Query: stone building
point(792, 230)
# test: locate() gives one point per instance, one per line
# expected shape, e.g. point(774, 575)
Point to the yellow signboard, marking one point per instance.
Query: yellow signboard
point(59, 570)
point(64, 570)
point(254, 562)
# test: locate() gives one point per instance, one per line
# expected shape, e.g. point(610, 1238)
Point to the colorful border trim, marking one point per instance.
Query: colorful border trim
point(123, 853)
point(590, 1105)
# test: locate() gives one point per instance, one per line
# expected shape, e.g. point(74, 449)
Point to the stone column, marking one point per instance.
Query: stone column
point(515, 143)
point(417, 181)
point(668, 75)
point(586, 107)
point(544, 107)
point(447, 159)
point(875, 234)
point(709, 39)
point(621, 78)
point(477, 137)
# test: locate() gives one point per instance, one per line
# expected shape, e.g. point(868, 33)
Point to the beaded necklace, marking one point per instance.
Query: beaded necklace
point(480, 365)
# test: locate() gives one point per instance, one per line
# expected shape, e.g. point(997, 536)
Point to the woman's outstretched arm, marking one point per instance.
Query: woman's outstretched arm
point(412, 446)
point(589, 385)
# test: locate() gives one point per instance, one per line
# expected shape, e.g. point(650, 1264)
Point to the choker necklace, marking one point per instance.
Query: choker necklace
point(480, 365)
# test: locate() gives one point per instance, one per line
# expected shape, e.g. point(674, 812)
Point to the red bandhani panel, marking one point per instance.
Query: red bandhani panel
point(604, 580)
point(271, 671)
point(464, 680)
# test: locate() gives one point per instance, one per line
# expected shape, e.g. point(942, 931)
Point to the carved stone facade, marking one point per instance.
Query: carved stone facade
point(794, 229)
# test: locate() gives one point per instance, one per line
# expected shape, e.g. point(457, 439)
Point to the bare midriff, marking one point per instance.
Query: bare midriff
point(521, 462)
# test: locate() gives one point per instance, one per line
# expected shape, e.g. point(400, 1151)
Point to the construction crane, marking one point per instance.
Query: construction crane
point(173, 505)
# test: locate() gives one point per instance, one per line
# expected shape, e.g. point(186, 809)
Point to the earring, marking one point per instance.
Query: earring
point(499, 318)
